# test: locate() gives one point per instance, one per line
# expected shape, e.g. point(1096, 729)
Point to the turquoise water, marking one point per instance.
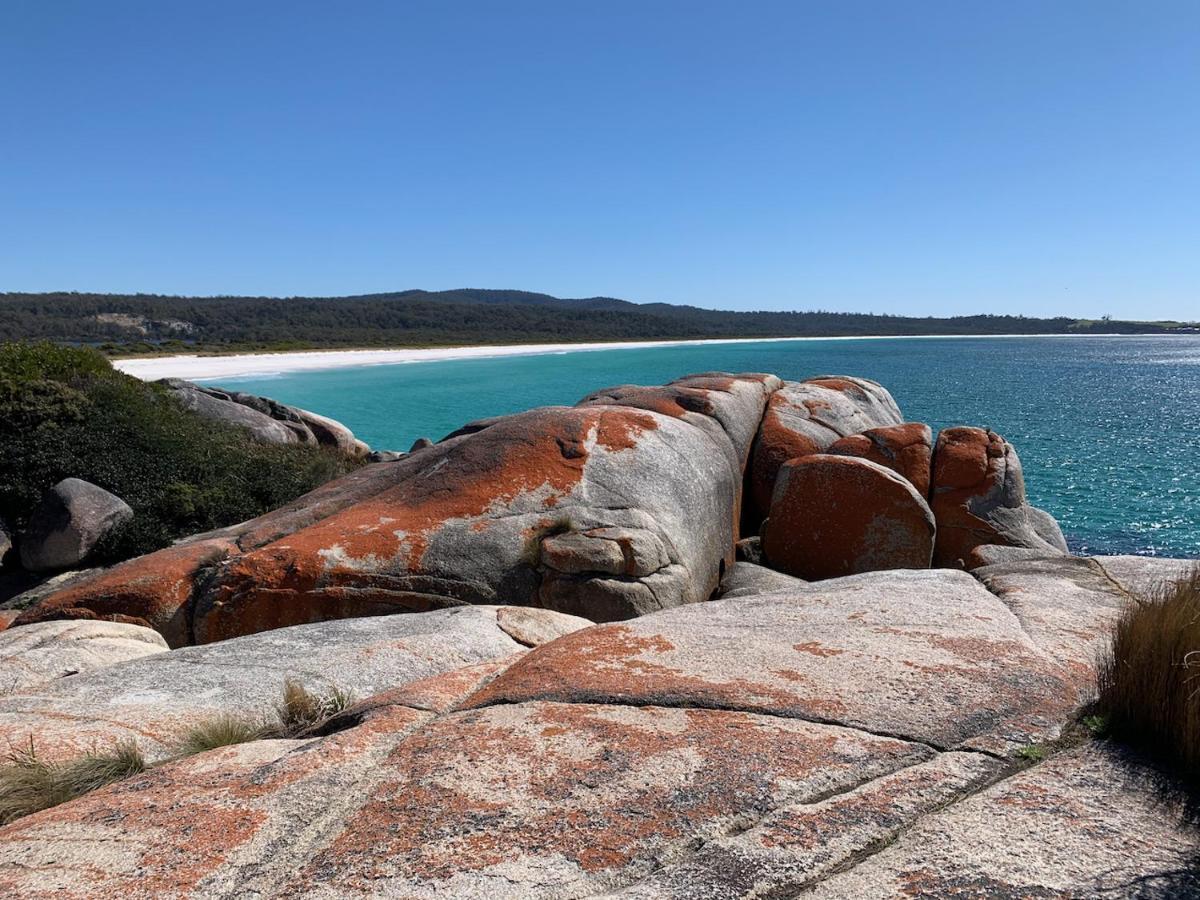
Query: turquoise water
point(1108, 429)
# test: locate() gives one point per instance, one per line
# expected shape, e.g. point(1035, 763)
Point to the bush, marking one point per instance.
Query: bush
point(28, 784)
point(1149, 682)
point(65, 412)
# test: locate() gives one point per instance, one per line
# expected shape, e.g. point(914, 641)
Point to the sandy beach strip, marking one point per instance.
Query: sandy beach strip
point(207, 367)
point(249, 364)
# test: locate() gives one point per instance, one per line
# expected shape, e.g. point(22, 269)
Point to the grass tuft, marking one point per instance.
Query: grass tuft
point(301, 711)
point(1149, 680)
point(221, 730)
point(29, 784)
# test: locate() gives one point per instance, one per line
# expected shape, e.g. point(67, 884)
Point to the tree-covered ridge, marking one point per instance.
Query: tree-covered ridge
point(150, 323)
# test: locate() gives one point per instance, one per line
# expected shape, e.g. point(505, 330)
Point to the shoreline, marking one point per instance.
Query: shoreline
point(243, 365)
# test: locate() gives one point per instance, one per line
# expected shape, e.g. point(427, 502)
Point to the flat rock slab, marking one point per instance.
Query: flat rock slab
point(1067, 605)
point(746, 579)
point(154, 698)
point(794, 846)
point(530, 801)
point(928, 655)
point(34, 654)
point(1142, 575)
point(1086, 823)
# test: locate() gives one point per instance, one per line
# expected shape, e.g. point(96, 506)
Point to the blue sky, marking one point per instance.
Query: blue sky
point(908, 157)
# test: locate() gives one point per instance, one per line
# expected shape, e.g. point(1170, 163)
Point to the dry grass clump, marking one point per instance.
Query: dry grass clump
point(222, 730)
point(29, 784)
point(299, 712)
point(1149, 680)
point(302, 712)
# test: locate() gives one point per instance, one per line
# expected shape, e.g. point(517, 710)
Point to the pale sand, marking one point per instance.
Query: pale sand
point(210, 367)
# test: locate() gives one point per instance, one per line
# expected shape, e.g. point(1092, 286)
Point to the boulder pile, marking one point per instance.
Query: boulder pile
point(588, 694)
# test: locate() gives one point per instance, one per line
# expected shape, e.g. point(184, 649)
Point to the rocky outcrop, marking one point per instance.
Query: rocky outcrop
point(603, 510)
point(5, 546)
point(905, 449)
point(50, 650)
point(267, 420)
point(67, 523)
point(748, 579)
point(806, 417)
point(978, 498)
point(841, 515)
point(852, 738)
point(154, 700)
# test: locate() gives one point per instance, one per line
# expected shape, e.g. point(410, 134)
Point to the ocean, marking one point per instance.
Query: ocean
point(1107, 428)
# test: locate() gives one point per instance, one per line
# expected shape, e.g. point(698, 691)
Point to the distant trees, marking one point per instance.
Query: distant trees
point(147, 323)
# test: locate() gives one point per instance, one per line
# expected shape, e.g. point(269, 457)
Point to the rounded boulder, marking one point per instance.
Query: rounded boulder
point(842, 515)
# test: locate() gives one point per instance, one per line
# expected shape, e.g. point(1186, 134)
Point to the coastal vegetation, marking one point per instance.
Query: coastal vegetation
point(65, 412)
point(1148, 680)
point(132, 324)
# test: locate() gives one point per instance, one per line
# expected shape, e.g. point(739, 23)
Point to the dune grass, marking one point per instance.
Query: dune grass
point(301, 712)
point(222, 730)
point(1149, 679)
point(29, 784)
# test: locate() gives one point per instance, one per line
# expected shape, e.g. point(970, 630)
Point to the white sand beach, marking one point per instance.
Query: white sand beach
point(206, 367)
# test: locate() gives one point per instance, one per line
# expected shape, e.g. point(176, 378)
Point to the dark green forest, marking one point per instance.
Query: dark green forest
point(149, 323)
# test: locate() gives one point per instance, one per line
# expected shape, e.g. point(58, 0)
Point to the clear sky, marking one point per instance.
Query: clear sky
point(909, 157)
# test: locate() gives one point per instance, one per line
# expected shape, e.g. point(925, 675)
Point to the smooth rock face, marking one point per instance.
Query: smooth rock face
point(228, 412)
point(905, 449)
point(1086, 823)
point(805, 417)
point(930, 656)
point(1143, 576)
point(43, 652)
point(68, 522)
point(5, 546)
point(840, 515)
point(978, 497)
point(747, 579)
point(1066, 605)
point(153, 699)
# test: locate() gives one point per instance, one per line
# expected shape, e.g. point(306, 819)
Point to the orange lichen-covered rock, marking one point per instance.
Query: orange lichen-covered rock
point(466, 525)
point(805, 417)
point(153, 590)
point(978, 497)
point(840, 515)
point(905, 449)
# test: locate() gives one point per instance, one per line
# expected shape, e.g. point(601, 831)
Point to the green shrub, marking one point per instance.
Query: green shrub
point(1149, 681)
point(65, 412)
point(28, 784)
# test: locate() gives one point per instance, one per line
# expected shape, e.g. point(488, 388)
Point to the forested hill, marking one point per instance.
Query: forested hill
point(146, 323)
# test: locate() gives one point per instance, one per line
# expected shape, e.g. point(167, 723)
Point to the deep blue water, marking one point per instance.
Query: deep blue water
point(1108, 429)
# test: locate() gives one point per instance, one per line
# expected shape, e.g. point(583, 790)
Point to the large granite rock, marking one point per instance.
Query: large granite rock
point(67, 523)
point(152, 699)
point(5, 546)
point(807, 417)
point(267, 420)
point(841, 515)
point(858, 751)
point(905, 449)
point(1144, 576)
point(48, 650)
point(746, 579)
point(603, 510)
point(978, 497)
